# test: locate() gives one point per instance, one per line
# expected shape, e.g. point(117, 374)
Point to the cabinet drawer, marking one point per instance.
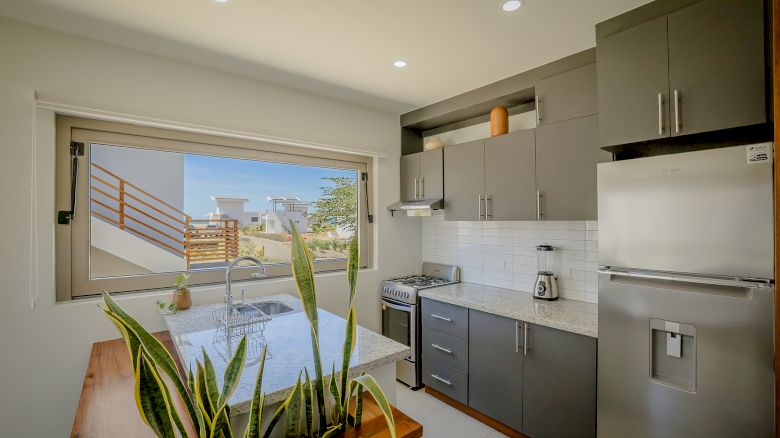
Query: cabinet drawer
point(447, 380)
point(446, 318)
point(445, 348)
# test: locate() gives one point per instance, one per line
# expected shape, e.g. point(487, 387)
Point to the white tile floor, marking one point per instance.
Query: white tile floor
point(440, 420)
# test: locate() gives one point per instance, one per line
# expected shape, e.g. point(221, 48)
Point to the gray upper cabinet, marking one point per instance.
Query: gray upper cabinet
point(566, 157)
point(559, 384)
point(633, 84)
point(422, 175)
point(496, 369)
point(432, 174)
point(716, 66)
point(464, 179)
point(696, 69)
point(510, 171)
point(567, 96)
point(410, 171)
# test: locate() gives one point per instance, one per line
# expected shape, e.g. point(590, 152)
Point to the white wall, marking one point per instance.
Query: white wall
point(503, 254)
point(45, 350)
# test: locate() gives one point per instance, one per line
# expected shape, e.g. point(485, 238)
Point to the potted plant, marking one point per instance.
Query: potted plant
point(315, 408)
point(182, 298)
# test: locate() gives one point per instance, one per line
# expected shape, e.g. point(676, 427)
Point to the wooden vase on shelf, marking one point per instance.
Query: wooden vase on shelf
point(182, 298)
point(499, 121)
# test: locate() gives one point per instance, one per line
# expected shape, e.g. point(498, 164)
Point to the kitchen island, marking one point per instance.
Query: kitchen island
point(287, 336)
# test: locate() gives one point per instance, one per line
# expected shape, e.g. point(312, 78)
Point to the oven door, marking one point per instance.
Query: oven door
point(399, 323)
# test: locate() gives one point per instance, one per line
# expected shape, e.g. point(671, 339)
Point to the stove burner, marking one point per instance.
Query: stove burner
point(419, 281)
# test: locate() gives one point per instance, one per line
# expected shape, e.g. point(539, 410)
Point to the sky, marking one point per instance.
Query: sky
point(205, 176)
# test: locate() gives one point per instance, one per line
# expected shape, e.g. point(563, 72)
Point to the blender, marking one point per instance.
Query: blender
point(545, 287)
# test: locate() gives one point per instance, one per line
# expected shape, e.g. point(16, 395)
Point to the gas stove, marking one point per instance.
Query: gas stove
point(401, 314)
point(404, 289)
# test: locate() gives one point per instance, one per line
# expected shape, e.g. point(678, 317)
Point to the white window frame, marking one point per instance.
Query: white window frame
point(72, 241)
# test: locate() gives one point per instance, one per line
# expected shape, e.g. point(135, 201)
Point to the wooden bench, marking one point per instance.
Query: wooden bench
point(107, 405)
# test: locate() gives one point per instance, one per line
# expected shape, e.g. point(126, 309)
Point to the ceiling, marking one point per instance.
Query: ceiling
point(341, 48)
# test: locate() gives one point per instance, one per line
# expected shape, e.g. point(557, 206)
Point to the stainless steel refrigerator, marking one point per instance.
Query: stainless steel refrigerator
point(686, 295)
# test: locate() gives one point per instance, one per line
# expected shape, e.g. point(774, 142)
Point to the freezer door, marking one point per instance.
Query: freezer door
point(706, 212)
point(682, 359)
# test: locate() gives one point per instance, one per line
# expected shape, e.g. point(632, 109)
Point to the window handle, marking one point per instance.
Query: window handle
point(76, 150)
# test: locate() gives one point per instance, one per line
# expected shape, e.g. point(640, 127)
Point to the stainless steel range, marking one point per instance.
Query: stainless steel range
point(401, 313)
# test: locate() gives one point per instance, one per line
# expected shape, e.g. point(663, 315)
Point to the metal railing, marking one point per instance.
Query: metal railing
point(135, 210)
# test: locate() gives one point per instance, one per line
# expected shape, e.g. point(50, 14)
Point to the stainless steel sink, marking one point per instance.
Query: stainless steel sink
point(273, 308)
point(249, 311)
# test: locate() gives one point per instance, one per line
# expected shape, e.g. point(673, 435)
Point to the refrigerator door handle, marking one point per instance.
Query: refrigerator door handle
point(705, 280)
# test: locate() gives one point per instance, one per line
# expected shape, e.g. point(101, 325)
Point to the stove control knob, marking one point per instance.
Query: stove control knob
point(406, 295)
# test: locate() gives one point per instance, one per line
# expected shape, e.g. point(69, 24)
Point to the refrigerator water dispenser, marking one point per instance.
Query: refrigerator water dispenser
point(673, 354)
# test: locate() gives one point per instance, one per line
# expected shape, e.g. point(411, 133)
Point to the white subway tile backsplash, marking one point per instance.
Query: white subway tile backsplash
point(503, 254)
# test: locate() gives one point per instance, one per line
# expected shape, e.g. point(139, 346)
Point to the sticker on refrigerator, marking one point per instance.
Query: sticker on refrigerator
point(758, 153)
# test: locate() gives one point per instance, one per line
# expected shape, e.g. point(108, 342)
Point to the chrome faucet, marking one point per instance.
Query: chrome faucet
point(229, 270)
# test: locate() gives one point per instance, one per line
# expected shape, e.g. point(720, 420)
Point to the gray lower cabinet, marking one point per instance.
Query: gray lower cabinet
point(510, 171)
point(716, 65)
point(566, 157)
point(464, 181)
point(496, 368)
point(538, 380)
point(559, 384)
point(567, 96)
point(633, 84)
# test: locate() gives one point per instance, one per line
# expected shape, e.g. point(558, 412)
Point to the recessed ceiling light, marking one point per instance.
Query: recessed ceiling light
point(512, 5)
point(221, 1)
point(400, 63)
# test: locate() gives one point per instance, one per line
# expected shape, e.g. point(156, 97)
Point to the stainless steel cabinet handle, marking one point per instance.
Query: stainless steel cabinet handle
point(538, 205)
point(444, 381)
point(422, 188)
point(676, 111)
point(479, 206)
point(660, 113)
point(440, 317)
point(525, 338)
point(517, 337)
point(538, 110)
point(438, 347)
point(416, 188)
point(488, 207)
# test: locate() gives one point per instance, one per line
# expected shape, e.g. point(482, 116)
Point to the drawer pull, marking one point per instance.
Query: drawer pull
point(444, 381)
point(440, 317)
point(441, 348)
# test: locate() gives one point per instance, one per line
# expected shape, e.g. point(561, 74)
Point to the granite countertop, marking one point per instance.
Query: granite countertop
point(569, 315)
point(289, 348)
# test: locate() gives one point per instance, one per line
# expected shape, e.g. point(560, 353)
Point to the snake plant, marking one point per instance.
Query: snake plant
point(308, 409)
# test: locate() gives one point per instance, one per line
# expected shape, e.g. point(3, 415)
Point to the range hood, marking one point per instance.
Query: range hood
point(419, 207)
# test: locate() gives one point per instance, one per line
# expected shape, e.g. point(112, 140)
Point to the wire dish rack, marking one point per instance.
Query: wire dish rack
point(232, 325)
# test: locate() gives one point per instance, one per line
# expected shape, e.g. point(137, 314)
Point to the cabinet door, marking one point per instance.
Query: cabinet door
point(432, 174)
point(559, 384)
point(510, 177)
point(410, 172)
point(464, 180)
point(496, 368)
point(633, 70)
point(566, 157)
point(567, 95)
point(716, 63)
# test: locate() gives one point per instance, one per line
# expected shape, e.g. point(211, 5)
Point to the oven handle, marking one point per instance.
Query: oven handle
point(393, 305)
